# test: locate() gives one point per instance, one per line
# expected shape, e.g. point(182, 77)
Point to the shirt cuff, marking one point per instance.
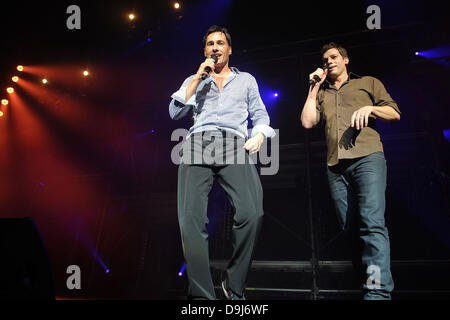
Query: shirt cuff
point(180, 96)
point(266, 130)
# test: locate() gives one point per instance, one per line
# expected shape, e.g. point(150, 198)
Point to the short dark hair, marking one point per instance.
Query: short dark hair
point(216, 28)
point(334, 45)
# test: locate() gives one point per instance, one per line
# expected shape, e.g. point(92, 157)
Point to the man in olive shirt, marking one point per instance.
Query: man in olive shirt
point(350, 105)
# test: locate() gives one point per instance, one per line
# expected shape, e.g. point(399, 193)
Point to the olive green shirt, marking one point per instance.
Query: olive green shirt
point(336, 107)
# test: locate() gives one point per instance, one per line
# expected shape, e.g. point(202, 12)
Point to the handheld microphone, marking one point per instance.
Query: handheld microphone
point(316, 78)
point(207, 70)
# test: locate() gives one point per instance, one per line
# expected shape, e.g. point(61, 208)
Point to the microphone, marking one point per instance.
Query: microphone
point(316, 78)
point(207, 70)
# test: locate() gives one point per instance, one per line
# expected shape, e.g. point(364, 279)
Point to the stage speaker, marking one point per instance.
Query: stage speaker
point(25, 271)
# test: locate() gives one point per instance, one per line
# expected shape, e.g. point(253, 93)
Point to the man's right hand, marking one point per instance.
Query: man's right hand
point(310, 116)
point(321, 74)
point(192, 86)
point(209, 62)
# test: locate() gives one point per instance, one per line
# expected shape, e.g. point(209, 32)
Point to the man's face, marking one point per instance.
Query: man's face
point(336, 63)
point(217, 45)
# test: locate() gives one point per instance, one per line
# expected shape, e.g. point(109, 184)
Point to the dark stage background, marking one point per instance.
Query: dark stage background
point(89, 158)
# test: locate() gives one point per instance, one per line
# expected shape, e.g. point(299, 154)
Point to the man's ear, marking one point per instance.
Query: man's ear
point(346, 60)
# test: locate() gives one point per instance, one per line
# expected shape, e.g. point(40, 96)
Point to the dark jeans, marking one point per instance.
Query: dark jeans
point(358, 190)
point(243, 188)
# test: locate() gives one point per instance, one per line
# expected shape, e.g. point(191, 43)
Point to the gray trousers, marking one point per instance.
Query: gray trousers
point(243, 188)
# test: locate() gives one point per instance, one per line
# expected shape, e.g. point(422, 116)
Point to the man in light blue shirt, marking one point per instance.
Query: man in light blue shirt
point(221, 100)
point(224, 108)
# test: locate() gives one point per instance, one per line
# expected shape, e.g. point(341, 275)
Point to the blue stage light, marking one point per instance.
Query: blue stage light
point(435, 53)
point(180, 273)
point(446, 133)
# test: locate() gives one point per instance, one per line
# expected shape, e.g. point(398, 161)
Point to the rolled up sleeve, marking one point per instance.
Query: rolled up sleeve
point(382, 97)
point(179, 107)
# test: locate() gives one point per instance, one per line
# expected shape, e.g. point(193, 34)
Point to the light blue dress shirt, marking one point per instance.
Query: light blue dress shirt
point(224, 110)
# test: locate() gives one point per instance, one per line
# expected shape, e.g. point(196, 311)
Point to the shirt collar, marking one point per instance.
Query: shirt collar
point(235, 70)
point(351, 76)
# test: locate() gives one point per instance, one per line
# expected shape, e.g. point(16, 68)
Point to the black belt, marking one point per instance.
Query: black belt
point(218, 133)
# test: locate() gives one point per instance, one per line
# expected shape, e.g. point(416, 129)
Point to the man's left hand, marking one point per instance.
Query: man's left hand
point(253, 144)
point(360, 117)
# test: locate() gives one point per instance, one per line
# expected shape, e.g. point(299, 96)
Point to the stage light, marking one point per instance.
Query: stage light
point(15, 78)
point(10, 90)
point(5, 102)
point(1, 113)
point(446, 133)
point(85, 73)
point(183, 268)
point(20, 68)
point(107, 270)
point(44, 81)
point(275, 94)
point(176, 5)
point(131, 16)
point(417, 53)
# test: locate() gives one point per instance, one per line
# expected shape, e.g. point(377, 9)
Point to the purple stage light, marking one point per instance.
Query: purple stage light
point(438, 52)
point(88, 243)
point(446, 133)
point(145, 133)
point(180, 273)
point(275, 94)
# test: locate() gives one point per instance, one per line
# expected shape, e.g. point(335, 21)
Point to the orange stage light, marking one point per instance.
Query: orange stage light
point(85, 73)
point(15, 78)
point(20, 68)
point(131, 16)
point(1, 114)
point(5, 102)
point(44, 81)
point(10, 90)
point(176, 5)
